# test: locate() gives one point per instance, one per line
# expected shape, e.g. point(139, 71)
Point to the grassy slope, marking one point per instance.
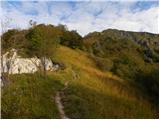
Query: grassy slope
point(91, 92)
point(30, 96)
point(96, 94)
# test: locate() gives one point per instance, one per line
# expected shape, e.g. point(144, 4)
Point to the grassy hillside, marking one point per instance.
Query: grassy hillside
point(130, 55)
point(110, 74)
point(91, 88)
point(91, 93)
point(30, 96)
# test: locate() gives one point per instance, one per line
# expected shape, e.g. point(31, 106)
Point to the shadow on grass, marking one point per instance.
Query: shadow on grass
point(82, 102)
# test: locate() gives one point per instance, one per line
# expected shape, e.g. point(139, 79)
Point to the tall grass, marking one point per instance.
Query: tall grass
point(99, 94)
point(91, 93)
point(30, 96)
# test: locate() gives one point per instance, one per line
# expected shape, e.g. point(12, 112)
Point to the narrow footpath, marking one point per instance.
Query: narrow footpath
point(58, 102)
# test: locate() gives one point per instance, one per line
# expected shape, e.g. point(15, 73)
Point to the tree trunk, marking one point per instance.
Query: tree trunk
point(43, 60)
point(45, 66)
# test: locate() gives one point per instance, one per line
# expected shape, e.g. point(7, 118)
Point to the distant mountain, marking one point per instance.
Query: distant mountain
point(101, 41)
point(133, 50)
point(133, 56)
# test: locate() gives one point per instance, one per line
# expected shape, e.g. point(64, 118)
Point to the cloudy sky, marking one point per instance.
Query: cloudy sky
point(83, 16)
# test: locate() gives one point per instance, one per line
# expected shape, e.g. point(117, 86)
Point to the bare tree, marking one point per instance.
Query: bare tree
point(5, 23)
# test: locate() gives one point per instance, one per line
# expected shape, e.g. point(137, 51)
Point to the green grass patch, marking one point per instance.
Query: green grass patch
point(82, 102)
point(30, 96)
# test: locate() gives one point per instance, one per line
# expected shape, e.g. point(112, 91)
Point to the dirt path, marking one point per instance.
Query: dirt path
point(58, 102)
point(58, 98)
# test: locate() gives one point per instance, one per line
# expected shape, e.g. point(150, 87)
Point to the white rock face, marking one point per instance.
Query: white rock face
point(14, 64)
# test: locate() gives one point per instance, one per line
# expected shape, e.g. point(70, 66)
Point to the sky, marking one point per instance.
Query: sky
point(83, 16)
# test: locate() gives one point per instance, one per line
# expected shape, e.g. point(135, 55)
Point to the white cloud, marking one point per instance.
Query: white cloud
point(87, 16)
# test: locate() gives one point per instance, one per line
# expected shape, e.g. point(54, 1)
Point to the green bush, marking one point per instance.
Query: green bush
point(104, 64)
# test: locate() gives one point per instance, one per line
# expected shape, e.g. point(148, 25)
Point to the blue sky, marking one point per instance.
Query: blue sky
point(83, 16)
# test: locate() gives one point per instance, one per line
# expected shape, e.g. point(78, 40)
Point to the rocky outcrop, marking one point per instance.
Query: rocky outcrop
point(14, 64)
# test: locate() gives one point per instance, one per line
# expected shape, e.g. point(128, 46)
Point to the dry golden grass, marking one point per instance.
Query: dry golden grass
point(91, 93)
point(90, 76)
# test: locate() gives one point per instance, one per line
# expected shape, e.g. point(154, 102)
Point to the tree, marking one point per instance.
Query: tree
point(42, 42)
point(5, 43)
point(7, 40)
point(71, 39)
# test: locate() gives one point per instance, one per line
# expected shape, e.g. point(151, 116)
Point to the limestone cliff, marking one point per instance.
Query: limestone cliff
point(15, 64)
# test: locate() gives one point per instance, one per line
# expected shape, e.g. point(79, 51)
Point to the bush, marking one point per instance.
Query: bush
point(71, 39)
point(149, 84)
point(104, 64)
